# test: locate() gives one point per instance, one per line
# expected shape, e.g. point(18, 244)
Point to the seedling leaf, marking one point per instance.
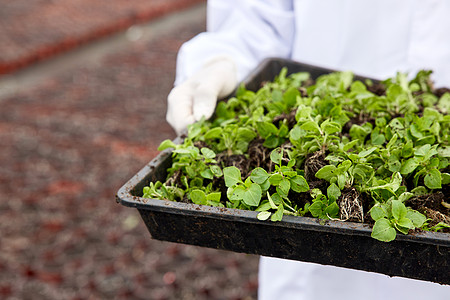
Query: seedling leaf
point(252, 196)
point(232, 175)
point(383, 231)
point(264, 215)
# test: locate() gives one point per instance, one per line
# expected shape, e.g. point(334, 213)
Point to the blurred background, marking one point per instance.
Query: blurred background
point(83, 87)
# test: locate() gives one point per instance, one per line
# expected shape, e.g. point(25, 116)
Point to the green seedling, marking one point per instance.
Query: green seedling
point(297, 146)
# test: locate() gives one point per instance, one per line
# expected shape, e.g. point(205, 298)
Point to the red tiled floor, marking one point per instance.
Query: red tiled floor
point(67, 145)
point(32, 30)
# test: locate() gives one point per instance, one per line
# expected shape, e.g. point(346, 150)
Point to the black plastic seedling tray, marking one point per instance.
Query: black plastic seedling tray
point(423, 256)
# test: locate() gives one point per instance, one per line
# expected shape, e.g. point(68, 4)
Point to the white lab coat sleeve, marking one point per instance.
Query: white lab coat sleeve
point(287, 279)
point(245, 30)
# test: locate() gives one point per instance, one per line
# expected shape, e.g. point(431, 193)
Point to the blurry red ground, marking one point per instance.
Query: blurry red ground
point(67, 145)
point(33, 30)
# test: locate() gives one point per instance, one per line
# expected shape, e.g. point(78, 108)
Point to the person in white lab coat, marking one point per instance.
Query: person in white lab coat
point(371, 38)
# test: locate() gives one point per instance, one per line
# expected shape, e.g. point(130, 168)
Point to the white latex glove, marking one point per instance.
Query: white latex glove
point(198, 95)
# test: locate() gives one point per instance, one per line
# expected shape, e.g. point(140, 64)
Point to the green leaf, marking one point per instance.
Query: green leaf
point(287, 172)
point(404, 230)
point(316, 209)
point(341, 179)
point(214, 197)
point(275, 179)
point(310, 126)
point(433, 179)
point(398, 209)
point(277, 95)
point(283, 131)
point(216, 170)
point(274, 200)
point(392, 141)
point(367, 152)
point(333, 192)
point(409, 166)
point(284, 187)
point(276, 155)
point(272, 141)
point(208, 153)
point(214, 133)
point(445, 178)
point(377, 138)
point(332, 210)
point(278, 215)
point(265, 185)
point(392, 186)
point(416, 217)
point(299, 184)
point(246, 134)
point(264, 215)
point(198, 197)
point(265, 129)
point(194, 129)
point(222, 112)
point(236, 193)
point(415, 132)
point(259, 175)
point(232, 175)
point(252, 196)
point(303, 112)
point(358, 87)
point(315, 193)
point(394, 166)
point(444, 103)
point(290, 96)
point(434, 163)
point(362, 172)
point(444, 151)
point(377, 213)
point(330, 127)
point(397, 124)
point(406, 223)
point(394, 91)
point(383, 231)
point(423, 150)
point(296, 133)
point(419, 191)
point(326, 172)
point(359, 132)
point(264, 206)
point(405, 196)
point(429, 139)
point(407, 149)
point(166, 144)
point(193, 152)
point(380, 122)
point(439, 226)
point(196, 182)
point(291, 163)
point(207, 174)
point(350, 145)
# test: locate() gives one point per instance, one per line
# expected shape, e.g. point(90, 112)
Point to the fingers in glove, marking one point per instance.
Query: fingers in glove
point(205, 99)
point(179, 112)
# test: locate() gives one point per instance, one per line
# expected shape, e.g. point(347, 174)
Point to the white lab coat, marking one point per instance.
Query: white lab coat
point(371, 38)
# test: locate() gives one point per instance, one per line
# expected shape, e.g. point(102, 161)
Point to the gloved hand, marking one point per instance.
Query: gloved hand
point(197, 96)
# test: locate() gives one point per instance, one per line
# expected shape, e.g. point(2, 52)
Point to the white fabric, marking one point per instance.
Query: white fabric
point(371, 38)
point(290, 280)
